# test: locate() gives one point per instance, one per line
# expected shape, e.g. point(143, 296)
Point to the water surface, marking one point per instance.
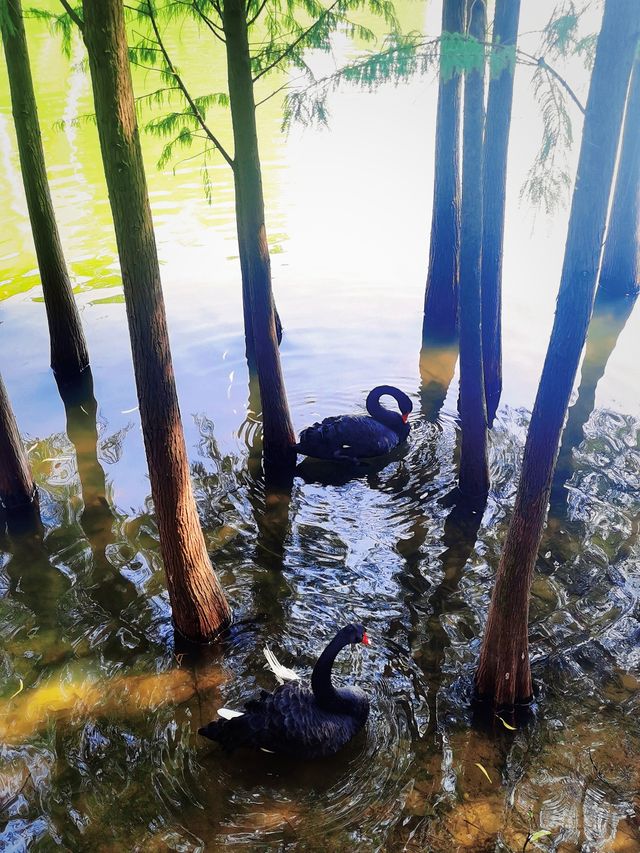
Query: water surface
point(99, 750)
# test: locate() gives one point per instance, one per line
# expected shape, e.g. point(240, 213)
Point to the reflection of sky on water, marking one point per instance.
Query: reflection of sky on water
point(348, 217)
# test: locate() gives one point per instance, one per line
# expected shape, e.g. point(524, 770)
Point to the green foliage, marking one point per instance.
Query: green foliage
point(548, 180)
point(288, 29)
point(561, 36)
point(59, 24)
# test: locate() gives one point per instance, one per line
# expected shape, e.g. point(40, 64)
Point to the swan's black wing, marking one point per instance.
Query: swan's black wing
point(347, 437)
point(286, 721)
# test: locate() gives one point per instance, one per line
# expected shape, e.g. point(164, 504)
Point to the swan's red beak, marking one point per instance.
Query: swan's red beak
point(365, 639)
point(405, 418)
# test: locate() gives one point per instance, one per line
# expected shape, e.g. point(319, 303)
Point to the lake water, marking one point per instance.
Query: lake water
point(98, 746)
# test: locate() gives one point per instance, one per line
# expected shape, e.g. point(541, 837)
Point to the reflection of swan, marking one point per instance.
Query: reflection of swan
point(349, 437)
point(295, 720)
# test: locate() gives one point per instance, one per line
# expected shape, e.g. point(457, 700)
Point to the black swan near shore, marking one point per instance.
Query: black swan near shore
point(295, 720)
point(351, 437)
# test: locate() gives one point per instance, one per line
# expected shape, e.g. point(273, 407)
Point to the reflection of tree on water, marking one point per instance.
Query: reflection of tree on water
point(437, 366)
point(608, 320)
point(261, 502)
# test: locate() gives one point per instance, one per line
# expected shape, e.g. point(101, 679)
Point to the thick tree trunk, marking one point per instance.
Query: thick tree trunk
point(200, 609)
point(69, 355)
point(494, 179)
point(252, 239)
point(17, 488)
point(474, 471)
point(504, 673)
point(620, 273)
point(441, 294)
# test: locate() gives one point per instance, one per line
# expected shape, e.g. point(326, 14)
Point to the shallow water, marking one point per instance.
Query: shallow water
point(99, 708)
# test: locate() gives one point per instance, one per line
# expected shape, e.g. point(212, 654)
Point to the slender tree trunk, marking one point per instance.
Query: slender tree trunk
point(620, 273)
point(252, 239)
point(69, 355)
point(441, 294)
point(17, 488)
point(494, 179)
point(504, 673)
point(200, 609)
point(474, 471)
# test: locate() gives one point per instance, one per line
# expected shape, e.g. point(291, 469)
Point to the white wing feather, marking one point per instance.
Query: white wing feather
point(228, 714)
point(282, 673)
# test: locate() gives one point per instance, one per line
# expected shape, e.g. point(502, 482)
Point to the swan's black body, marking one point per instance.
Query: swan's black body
point(297, 721)
point(349, 437)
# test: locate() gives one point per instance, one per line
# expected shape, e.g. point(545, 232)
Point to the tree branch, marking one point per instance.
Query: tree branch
point(257, 14)
point(71, 12)
point(194, 108)
point(296, 42)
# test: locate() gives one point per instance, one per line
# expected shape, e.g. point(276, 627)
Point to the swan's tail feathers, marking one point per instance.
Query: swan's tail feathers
point(282, 673)
point(228, 713)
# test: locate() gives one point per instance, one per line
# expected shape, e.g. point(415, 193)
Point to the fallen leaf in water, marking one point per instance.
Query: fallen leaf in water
point(539, 834)
point(506, 724)
point(19, 690)
point(483, 770)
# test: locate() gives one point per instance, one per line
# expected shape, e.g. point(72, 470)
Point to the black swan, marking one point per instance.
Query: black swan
point(295, 720)
point(350, 437)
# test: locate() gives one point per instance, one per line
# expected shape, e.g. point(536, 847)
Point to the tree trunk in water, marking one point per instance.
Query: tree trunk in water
point(474, 472)
point(279, 439)
point(620, 274)
point(504, 674)
point(200, 609)
point(609, 317)
point(69, 356)
point(494, 180)
point(17, 489)
point(441, 294)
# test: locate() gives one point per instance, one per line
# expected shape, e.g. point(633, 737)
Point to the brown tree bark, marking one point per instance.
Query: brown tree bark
point(620, 273)
point(199, 607)
point(17, 488)
point(504, 674)
point(441, 293)
point(69, 356)
point(474, 471)
point(494, 179)
point(252, 239)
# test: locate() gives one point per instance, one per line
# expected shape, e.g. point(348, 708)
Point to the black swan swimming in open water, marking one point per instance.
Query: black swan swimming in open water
point(350, 437)
point(295, 720)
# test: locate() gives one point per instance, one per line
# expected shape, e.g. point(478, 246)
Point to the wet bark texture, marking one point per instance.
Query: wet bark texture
point(504, 673)
point(620, 274)
point(69, 356)
point(494, 178)
point(17, 488)
point(199, 607)
point(259, 312)
point(474, 472)
point(441, 294)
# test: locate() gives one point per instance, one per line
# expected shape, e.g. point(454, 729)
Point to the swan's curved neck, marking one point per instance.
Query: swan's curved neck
point(378, 411)
point(325, 693)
